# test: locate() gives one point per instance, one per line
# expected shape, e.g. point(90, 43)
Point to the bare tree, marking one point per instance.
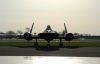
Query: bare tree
point(19, 32)
point(27, 29)
point(76, 34)
point(10, 33)
point(2, 33)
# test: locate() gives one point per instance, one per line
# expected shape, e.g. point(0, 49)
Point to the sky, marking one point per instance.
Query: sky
point(80, 16)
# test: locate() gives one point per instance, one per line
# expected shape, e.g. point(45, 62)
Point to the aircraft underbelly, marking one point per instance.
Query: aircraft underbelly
point(48, 36)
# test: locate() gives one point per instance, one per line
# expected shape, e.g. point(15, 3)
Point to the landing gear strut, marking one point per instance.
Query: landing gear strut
point(27, 41)
point(48, 45)
point(36, 44)
point(60, 44)
point(69, 42)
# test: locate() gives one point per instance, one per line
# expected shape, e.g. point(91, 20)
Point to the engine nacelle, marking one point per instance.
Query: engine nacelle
point(69, 37)
point(27, 36)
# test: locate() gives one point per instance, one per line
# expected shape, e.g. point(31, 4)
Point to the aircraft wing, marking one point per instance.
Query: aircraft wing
point(63, 37)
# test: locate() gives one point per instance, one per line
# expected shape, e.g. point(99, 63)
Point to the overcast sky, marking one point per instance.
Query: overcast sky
point(81, 16)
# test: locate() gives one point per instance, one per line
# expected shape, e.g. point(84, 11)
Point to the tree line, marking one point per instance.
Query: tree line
point(13, 34)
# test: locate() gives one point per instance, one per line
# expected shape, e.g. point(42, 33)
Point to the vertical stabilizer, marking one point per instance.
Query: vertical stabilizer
point(31, 28)
point(65, 28)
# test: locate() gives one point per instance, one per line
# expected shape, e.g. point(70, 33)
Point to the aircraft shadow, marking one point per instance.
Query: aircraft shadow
point(44, 48)
point(25, 46)
point(51, 48)
point(71, 47)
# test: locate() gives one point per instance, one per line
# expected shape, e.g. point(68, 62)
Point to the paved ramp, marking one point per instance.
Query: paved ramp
point(53, 51)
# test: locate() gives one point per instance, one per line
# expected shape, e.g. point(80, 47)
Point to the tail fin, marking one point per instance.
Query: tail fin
point(65, 28)
point(31, 28)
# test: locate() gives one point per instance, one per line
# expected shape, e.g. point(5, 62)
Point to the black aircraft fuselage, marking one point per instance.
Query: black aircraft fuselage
point(48, 34)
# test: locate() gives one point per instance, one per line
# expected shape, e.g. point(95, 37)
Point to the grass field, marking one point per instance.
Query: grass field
point(73, 43)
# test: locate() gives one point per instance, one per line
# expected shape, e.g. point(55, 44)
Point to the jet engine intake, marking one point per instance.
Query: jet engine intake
point(69, 37)
point(27, 36)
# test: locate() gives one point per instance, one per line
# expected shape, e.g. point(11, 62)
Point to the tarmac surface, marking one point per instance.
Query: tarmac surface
point(52, 51)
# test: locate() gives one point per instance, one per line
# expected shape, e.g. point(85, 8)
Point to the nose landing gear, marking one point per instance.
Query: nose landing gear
point(48, 45)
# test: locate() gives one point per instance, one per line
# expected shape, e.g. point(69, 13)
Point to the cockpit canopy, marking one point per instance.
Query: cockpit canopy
point(48, 29)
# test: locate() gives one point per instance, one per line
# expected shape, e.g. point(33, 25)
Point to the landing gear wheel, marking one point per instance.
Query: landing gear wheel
point(48, 45)
point(60, 44)
point(36, 44)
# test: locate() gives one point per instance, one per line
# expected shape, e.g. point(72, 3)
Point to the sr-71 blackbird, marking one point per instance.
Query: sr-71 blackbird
point(48, 35)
